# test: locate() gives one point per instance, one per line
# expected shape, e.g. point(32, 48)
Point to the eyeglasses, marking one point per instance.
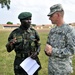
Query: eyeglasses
point(51, 15)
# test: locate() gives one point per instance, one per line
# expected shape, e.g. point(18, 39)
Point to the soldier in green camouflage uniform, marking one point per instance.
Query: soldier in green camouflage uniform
point(60, 44)
point(25, 42)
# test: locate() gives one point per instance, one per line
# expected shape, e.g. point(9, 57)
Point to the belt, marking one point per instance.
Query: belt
point(22, 55)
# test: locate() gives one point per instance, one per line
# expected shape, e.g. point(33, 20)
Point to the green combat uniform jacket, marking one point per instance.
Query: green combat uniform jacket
point(62, 40)
point(28, 42)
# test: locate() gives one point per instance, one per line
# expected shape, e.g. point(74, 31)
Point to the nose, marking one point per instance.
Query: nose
point(49, 18)
point(29, 20)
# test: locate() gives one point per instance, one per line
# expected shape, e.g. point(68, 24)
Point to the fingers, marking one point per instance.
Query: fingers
point(48, 49)
point(34, 55)
point(48, 52)
point(12, 41)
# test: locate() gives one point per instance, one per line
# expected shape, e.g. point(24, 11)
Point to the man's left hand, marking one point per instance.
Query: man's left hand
point(48, 49)
point(34, 55)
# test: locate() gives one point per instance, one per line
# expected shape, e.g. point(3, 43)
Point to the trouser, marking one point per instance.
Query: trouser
point(59, 66)
point(18, 70)
point(50, 73)
point(24, 73)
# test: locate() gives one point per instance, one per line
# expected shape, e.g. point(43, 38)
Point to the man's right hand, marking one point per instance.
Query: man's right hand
point(10, 45)
point(12, 41)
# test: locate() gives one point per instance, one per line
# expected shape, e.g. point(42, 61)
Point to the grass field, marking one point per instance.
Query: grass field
point(7, 59)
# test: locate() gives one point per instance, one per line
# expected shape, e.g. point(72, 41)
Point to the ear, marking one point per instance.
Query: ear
point(58, 14)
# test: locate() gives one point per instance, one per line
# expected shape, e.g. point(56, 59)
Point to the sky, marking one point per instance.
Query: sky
point(39, 10)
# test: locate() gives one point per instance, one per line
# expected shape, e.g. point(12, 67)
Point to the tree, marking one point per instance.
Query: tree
point(9, 22)
point(5, 3)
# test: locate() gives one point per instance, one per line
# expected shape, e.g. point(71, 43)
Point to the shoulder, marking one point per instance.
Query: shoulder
point(15, 31)
point(67, 28)
point(33, 30)
point(69, 31)
point(52, 29)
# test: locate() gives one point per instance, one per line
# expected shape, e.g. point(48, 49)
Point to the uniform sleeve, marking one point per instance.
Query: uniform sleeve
point(38, 44)
point(10, 47)
point(37, 36)
point(69, 48)
point(48, 40)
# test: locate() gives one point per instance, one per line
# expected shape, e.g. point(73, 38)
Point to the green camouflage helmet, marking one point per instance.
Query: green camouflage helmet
point(24, 15)
point(55, 8)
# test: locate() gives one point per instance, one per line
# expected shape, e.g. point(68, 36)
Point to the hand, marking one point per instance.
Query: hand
point(34, 55)
point(13, 41)
point(48, 49)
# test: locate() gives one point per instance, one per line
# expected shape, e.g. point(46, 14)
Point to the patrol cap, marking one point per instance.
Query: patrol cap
point(55, 8)
point(24, 15)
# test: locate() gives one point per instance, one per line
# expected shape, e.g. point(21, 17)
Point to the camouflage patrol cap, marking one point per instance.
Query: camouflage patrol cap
point(55, 8)
point(24, 15)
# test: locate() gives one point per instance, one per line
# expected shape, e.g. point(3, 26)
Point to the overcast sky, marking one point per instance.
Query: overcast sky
point(39, 10)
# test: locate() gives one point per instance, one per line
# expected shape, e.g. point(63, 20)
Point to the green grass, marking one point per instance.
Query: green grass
point(7, 59)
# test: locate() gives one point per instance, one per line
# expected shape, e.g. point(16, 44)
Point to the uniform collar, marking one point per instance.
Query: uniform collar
point(27, 30)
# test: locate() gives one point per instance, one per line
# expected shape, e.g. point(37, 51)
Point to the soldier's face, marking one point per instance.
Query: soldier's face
point(26, 22)
point(53, 18)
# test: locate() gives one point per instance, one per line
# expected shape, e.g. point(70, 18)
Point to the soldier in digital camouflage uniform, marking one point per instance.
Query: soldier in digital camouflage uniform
point(60, 45)
point(25, 42)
